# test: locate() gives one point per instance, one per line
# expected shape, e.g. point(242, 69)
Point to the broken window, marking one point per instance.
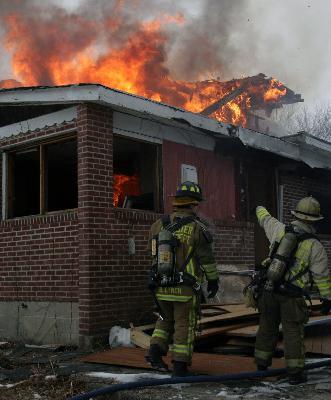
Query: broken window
point(136, 174)
point(43, 178)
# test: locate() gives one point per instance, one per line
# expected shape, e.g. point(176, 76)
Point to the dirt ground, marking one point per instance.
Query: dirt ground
point(57, 374)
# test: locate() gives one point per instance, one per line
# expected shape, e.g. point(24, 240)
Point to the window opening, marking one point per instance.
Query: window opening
point(43, 179)
point(61, 187)
point(136, 174)
point(24, 183)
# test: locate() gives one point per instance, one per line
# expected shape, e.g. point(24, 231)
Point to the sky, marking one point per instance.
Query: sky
point(287, 39)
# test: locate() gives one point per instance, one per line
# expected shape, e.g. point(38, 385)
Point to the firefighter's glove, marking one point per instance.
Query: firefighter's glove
point(326, 306)
point(152, 281)
point(212, 288)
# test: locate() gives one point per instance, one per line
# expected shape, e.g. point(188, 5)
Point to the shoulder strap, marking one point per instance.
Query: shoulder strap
point(165, 219)
point(306, 236)
point(301, 238)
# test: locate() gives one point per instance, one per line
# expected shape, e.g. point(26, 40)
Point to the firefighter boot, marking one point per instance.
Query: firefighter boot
point(179, 369)
point(297, 378)
point(154, 358)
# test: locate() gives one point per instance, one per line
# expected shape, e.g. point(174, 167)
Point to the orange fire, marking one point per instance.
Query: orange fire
point(125, 185)
point(274, 93)
point(49, 53)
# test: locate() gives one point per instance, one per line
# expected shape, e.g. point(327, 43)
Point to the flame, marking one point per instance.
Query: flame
point(49, 53)
point(274, 93)
point(125, 185)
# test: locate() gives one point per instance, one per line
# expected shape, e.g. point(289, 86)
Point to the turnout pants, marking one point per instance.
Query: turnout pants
point(177, 331)
point(292, 313)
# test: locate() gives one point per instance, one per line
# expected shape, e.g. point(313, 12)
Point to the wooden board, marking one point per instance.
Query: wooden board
point(218, 330)
point(229, 316)
point(251, 331)
point(139, 338)
point(202, 363)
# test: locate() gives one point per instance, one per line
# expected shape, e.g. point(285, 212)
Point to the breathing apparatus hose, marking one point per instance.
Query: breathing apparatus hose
point(191, 379)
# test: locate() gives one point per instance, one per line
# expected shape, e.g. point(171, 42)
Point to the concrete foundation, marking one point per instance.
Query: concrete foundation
point(231, 287)
point(39, 322)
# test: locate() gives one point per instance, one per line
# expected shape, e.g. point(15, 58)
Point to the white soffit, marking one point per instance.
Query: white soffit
point(157, 131)
point(55, 118)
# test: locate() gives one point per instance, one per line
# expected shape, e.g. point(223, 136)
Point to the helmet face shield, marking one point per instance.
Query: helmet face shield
point(308, 209)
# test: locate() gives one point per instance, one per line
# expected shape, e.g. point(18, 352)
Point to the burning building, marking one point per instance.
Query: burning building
point(86, 170)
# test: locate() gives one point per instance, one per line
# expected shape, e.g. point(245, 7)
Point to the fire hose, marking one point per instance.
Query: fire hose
point(191, 379)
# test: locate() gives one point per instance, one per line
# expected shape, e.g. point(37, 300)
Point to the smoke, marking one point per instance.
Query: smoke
point(284, 39)
point(216, 39)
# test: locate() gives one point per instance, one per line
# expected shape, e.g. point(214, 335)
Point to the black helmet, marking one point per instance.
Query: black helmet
point(188, 193)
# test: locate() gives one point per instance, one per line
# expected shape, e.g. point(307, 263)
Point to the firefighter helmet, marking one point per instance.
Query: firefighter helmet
point(308, 209)
point(188, 193)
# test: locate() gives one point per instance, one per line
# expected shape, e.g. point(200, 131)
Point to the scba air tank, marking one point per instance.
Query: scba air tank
point(279, 263)
point(165, 256)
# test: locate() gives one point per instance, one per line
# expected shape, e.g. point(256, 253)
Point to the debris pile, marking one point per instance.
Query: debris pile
point(225, 341)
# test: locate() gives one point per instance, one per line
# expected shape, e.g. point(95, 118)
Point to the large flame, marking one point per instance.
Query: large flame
point(46, 53)
point(125, 185)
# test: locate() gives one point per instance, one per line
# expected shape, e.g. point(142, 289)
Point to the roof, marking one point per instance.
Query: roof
point(312, 151)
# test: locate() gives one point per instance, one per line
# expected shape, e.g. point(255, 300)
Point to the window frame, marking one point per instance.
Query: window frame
point(7, 173)
point(158, 202)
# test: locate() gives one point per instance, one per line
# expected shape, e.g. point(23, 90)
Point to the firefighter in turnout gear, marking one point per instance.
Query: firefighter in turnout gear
point(182, 251)
point(292, 267)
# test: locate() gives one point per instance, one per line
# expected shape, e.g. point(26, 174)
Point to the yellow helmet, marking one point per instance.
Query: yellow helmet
point(187, 193)
point(308, 209)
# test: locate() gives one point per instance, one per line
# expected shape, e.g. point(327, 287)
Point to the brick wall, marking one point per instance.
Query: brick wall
point(38, 258)
point(234, 243)
point(297, 187)
point(98, 284)
point(39, 254)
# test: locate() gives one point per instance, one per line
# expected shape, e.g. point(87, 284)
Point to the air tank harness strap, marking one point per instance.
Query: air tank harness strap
point(182, 277)
point(287, 286)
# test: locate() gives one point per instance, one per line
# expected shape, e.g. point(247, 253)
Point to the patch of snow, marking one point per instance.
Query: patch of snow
point(10, 385)
point(119, 337)
point(50, 378)
point(126, 378)
point(227, 396)
point(315, 360)
point(42, 346)
point(262, 390)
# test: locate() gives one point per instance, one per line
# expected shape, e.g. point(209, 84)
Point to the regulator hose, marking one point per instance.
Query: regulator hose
point(191, 379)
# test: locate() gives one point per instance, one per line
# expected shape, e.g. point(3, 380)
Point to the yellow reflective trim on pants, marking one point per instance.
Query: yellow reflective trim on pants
point(181, 349)
point(159, 333)
point(210, 271)
point(325, 285)
point(170, 297)
point(295, 362)
point(263, 355)
point(325, 292)
point(325, 279)
point(209, 267)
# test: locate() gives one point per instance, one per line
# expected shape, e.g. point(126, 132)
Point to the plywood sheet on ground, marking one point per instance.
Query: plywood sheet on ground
point(202, 363)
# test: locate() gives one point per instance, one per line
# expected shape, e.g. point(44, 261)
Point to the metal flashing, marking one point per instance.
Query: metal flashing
point(55, 118)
